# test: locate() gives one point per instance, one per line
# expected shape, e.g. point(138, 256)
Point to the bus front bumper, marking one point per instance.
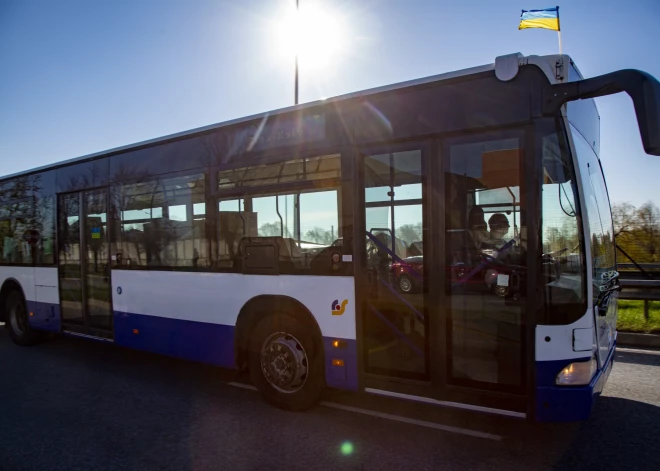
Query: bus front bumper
point(571, 403)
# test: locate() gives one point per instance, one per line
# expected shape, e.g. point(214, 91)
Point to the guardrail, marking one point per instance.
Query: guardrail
point(645, 266)
point(641, 290)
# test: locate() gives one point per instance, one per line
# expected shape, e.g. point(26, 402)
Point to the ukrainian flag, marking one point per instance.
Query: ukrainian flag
point(546, 19)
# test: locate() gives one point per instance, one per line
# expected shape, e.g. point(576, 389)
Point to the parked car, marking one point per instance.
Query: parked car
point(408, 274)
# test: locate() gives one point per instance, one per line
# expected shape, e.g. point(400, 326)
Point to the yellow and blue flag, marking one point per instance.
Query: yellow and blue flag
point(546, 19)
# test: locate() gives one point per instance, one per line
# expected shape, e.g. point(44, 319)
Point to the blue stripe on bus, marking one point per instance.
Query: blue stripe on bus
point(214, 344)
point(341, 377)
point(567, 403)
point(189, 340)
point(197, 341)
point(44, 316)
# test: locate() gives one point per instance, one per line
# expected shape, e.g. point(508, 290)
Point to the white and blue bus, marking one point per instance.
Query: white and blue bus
point(446, 240)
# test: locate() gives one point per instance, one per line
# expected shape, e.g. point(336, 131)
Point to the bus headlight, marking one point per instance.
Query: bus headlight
point(577, 374)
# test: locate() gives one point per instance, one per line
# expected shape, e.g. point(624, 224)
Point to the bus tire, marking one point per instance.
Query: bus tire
point(18, 322)
point(285, 364)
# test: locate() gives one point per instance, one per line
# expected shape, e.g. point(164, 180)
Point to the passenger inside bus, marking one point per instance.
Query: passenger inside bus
point(477, 226)
point(499, 227)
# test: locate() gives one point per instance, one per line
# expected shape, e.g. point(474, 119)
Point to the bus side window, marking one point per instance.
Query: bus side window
point(162, 222)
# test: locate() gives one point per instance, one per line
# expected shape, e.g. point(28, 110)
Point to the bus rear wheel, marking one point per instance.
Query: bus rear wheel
point(17, 321)
point(285, 363)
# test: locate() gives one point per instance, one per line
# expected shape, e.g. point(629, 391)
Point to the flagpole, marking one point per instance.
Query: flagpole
point(559, 36)
point(559, 30)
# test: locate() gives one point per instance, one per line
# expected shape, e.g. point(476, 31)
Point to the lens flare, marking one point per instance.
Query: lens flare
point(314, 34)
point(346, 448)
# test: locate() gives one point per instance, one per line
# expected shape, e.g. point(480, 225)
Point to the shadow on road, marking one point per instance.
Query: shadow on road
point(652, 358)
point(621, 434)
point(95, 406)
point(88, 405)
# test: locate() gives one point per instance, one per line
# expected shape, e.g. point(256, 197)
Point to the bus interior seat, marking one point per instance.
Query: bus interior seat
point(290, 256)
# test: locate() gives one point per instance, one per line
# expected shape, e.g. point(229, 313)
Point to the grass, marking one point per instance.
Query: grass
point(631, 317)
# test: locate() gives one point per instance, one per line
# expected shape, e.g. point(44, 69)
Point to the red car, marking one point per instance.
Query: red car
point(408, 274)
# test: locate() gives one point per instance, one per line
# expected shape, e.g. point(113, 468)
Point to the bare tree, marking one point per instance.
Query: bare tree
point(648, 225)
point(637, 231)
point(624, 216)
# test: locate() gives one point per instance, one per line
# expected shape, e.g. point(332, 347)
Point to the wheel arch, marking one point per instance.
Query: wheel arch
point(9, 285)
point(265, 305)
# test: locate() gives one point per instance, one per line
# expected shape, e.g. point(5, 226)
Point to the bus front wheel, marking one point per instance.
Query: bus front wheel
point(18, 322)
point(285, 364)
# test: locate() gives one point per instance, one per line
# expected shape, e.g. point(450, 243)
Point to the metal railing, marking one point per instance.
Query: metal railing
point(640, 282)
point(647, 266)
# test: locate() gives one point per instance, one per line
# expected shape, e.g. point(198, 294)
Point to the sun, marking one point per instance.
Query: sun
point(313, 33)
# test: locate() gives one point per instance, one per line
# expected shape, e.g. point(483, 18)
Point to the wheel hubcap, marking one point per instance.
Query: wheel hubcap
point(405, 284)
point(284, 362)
point(18, 319)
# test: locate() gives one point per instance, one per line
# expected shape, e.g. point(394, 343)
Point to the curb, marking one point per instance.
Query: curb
point(629, 339)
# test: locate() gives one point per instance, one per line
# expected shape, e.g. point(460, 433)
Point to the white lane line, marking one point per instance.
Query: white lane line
point(396, 418)
point(456, 405)
point(637, 350)
point(421, 423)
point(241, 385)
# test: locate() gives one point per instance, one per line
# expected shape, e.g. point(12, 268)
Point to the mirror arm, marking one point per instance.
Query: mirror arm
point(556, 95)
point(640, 86)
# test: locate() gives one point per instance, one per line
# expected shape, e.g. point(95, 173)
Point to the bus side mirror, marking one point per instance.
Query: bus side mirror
point(642, 88)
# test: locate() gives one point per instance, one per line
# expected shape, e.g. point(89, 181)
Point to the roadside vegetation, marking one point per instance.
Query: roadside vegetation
point(631, 317)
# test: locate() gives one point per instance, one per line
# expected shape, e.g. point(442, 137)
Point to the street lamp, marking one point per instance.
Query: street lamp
point(313, 35)
point(296, 77)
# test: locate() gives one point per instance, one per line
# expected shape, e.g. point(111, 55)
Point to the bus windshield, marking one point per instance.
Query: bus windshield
point(598, 209)
point(561, 236)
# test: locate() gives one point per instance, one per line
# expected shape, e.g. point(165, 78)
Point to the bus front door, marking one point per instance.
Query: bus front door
point(84, 263)
point(441, 272)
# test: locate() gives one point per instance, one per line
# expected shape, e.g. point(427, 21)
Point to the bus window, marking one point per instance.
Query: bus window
point(564, 299)
point(300, 209)
point(308, 223)
point(308, 169)
point(234, 223)
point(27, 222)
point(162, 223)
point(485, 247)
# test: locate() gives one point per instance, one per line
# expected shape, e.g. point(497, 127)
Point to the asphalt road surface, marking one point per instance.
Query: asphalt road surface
point(80, 405)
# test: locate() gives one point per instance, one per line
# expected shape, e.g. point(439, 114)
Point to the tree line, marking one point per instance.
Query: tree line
point(637, 232)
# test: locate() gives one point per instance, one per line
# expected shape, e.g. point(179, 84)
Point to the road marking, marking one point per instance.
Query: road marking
point(636, 350)
point(421, 423)
point(456, 405)
point(395, 418)
point(241, 385)
point(85, 336)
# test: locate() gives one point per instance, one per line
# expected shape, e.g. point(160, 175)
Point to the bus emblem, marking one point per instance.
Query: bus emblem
point(337, 309)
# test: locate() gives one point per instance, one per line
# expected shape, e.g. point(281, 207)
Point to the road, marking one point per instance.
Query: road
point(71, 404)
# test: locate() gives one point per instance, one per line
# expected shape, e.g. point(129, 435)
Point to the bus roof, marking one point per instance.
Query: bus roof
point(546, 63)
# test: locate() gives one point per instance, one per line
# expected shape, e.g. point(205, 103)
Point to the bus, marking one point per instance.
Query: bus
point(446, 240)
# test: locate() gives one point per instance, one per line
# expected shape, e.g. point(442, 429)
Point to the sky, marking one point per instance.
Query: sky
point(81, 76)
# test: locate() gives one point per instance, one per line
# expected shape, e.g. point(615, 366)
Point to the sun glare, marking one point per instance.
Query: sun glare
point(313, 33)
